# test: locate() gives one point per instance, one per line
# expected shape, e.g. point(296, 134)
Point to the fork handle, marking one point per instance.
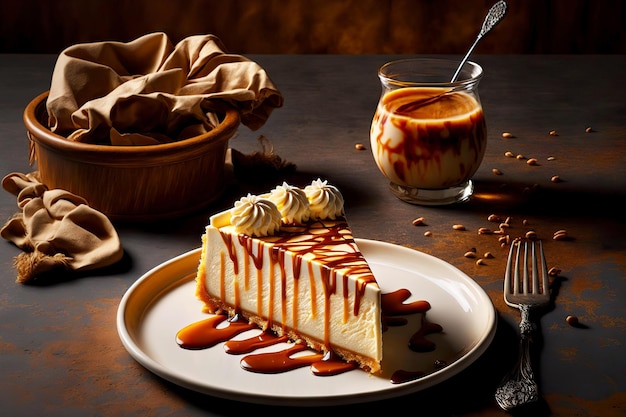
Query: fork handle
point(527, 329)
point(519, 386)
point(526, 325)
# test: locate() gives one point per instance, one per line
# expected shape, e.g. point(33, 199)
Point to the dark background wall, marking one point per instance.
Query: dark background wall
point(321, 26)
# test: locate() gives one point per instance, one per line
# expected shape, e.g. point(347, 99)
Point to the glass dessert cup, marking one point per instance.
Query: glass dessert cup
point(428, 135)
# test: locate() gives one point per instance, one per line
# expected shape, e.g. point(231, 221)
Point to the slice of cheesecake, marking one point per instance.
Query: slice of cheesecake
point(287, 262)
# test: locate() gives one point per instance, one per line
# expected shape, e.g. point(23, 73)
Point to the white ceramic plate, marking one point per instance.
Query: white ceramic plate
point(163, 301)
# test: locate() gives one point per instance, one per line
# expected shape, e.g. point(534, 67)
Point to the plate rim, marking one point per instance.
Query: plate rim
point(395, 390)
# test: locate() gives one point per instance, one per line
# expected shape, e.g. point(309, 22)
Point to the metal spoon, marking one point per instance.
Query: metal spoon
point(494, 16)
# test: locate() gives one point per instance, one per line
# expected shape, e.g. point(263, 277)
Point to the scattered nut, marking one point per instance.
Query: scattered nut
point(519, 156)
point(488, 255)
point(428, 233)
point(484, 231)
point(470, 254)
point(480, 262)
point(560, 235)
point(532, 161)
point(509, 154)
point(359, 146)
point(555, 179)
point(458, 227)
point(418, 221)
point(496, 171)
point(507, 135)
point(553, 133)
point(575, 322)
point(504, 225)
point(554, 271)
point(531, 234)
point(589, 130)
point(551, 158)
point(525, 222)
point(494, 218)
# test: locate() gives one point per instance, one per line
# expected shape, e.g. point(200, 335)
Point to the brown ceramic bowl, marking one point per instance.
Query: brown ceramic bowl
point(133, 182)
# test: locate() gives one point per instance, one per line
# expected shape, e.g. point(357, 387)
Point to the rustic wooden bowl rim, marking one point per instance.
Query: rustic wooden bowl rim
point(36, 108)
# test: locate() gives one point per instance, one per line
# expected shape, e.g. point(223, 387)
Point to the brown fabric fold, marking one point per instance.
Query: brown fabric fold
point(56, 229)
point(148, 91)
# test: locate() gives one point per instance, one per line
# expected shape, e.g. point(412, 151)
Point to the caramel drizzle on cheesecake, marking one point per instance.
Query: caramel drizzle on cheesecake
point(322, 240)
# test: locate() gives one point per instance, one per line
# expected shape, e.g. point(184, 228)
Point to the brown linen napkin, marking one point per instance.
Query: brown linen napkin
point(56, 229)
point(149, 91)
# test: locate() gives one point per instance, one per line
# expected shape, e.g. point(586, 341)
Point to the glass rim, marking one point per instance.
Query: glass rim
point(471, 72)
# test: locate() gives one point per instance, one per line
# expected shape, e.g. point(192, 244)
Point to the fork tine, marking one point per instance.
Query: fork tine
point(525, 267)
point(535, 272)
point(507, 272)
point(544, 270)
point(539, 267)
point(516, 266)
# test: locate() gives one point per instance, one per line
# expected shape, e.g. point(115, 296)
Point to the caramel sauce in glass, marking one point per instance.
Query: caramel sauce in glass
point(438, 142)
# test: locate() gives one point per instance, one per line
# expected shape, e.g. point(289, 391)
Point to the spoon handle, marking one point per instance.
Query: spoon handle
point(494, 16)
point(464, 60)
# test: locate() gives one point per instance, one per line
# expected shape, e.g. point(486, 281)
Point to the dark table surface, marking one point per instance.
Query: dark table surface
point(60, 350)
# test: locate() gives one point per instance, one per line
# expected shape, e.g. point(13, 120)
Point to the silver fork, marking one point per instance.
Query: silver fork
point(529, 292)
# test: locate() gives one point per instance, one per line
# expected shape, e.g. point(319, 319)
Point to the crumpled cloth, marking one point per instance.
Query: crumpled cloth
point(56, 229)
point(149, 91)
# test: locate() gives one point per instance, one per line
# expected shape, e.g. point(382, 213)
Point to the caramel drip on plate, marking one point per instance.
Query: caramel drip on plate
point(331, 365)
point(393, 303)
point(281, 361)
point(239, 347)
point(206, 333)
point(401, 376)
point(419, 343)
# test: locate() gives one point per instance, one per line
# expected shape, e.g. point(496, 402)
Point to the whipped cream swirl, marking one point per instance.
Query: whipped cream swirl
point(326, 201)
point(255, 216)
point(292, 203)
